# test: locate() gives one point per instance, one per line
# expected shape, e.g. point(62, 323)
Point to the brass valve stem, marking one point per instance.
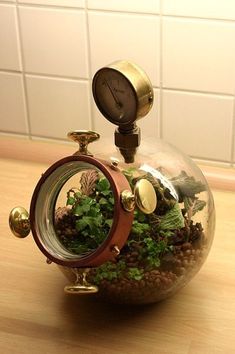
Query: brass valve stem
point(127, 140)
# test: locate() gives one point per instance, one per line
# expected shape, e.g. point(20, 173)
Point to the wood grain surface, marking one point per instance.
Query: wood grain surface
point(37, 317)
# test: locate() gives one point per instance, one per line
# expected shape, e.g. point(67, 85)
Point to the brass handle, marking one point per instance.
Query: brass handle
point(79, 289)
point(83, 138)
point(19, 222)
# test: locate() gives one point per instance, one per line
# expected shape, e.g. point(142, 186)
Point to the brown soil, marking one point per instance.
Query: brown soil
point(176, 268)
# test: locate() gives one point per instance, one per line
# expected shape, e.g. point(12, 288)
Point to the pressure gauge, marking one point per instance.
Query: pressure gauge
point(122, 92)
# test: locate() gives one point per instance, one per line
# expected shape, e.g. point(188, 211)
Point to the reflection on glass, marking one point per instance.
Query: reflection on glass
point(84, 212)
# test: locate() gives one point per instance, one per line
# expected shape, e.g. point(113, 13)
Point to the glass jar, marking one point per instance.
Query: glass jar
point(128, 233)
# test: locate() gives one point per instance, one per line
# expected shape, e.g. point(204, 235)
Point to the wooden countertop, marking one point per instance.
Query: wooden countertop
point(37, 317)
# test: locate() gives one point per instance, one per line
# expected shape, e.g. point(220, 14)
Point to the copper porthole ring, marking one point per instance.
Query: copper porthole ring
point(122, 219)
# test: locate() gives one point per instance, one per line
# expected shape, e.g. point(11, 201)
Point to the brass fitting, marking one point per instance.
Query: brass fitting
point(127, 141)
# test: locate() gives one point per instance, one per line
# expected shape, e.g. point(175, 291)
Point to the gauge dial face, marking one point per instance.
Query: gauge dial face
point(115, 96)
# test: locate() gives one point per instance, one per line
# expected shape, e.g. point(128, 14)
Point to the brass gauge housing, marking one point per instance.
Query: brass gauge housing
point(123, 92)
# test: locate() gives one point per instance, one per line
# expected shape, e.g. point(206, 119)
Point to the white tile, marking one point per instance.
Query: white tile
point(54, 41)
point(12, 106)
point(149, 124)
point(199, 55)
point(201, 8)
point(57, 106)
point(131, 37)
point(9, 44)
point(67, 3)
point(198, 124)
point(147, 6)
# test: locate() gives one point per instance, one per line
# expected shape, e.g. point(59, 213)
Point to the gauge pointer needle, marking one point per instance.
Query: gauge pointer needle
point(118, 103)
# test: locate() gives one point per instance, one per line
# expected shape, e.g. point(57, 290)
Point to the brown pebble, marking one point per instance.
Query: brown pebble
point(180, 255)
point(182, 270)
point(157, 281)
point(177, 262)
point(186, 246)
point(165, 280)
point(112, 287)
point(135, 254)
point(132, 265)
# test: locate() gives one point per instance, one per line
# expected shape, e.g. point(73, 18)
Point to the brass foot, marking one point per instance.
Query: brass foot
point(80, 286)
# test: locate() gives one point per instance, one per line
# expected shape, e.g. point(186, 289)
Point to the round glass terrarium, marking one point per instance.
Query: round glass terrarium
point(131, 233)
point(124, 226)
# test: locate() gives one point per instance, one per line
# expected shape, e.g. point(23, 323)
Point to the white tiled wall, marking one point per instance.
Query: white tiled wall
point(50, 50)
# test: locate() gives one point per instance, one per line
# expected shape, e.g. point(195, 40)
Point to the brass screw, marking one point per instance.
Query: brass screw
point(114, 163)
point(115, 250)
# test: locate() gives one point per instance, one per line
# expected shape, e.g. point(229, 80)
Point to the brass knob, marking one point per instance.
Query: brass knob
point(19, 222)
point(83, 138)
point(144, 197)
point(128, 200)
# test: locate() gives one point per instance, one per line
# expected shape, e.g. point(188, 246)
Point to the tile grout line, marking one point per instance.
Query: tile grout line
point(23, 71)
point(46, 6)
point(166, 15)
point(211, 93)
point(74, 78)
point(64, 7)
point(55, 76)
point(83, 79)
point(191, 17)
point(44, 75)
point(88, 44)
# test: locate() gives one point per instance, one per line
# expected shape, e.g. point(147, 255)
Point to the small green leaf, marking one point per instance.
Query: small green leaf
point(103, 184)
point(111, 200)
point(106, 192)
point(103, 201)
point(81, 224)
point(135, 274)
point(199, 205)
point(139, 228)
point(78, 195)
point(187, 186)
point(109, 222)
point(188, 203)
point(173, 219)
point(70, 201)
point(78, 210)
